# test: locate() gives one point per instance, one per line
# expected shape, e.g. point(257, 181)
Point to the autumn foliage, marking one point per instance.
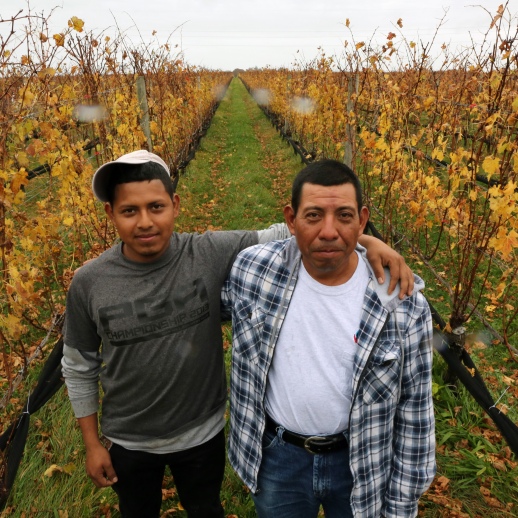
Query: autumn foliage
point(69, 103)
point(434, 138)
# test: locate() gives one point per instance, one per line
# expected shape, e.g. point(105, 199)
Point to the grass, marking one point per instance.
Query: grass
point(241, 176)
point(240, 179)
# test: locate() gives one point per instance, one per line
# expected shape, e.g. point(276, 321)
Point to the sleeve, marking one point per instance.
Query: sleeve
point(276, 232)
point(81, 372)
point(413, 465)
point(80, 330)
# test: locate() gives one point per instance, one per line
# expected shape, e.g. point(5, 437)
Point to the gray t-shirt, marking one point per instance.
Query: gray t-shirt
point(157, 326)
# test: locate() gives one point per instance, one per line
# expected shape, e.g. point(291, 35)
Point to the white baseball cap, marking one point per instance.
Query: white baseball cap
point(100, 179)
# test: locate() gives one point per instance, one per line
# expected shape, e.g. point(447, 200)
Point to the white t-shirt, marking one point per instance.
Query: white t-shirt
point(309, 386)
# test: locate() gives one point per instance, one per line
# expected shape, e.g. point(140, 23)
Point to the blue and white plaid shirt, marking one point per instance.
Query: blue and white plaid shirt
point(391, 427)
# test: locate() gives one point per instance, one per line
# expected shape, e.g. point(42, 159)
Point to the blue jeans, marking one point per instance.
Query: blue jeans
point(293, 483)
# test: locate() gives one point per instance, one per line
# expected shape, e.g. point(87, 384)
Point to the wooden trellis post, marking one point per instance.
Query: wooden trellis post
point(350, 132)
point(144, 108)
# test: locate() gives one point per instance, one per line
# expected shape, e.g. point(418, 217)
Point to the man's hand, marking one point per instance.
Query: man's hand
point(379, 255)
point(98, 460)
point(99, 466)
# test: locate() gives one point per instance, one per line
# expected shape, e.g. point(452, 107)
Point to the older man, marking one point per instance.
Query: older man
point(331, 399)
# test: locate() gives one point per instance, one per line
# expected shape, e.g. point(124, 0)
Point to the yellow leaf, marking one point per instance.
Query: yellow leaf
point(59, 39)
point(122, 129)
point(508, 244)
point(19, 197)
point(19, 179)
point(23, 159)
point(53, 469)
point(68, 221)
point(48, 71)
point(491, 165)
point(360, 45)
point(429, 101)
point(26, 96)
point(69, 468)
point(76, 23)
point(13, 325)
point(437, 153)
point(27, 244)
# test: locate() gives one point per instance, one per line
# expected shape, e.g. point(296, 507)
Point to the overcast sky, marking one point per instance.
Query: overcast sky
point(229, 34)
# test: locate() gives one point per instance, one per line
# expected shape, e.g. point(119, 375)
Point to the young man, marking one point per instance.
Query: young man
point(331, 400)
point(144, 318)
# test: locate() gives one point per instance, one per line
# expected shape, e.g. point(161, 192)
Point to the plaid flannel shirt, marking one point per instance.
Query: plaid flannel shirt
point(391, 427)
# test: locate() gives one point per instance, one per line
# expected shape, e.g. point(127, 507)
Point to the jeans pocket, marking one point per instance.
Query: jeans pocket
point(270, 440)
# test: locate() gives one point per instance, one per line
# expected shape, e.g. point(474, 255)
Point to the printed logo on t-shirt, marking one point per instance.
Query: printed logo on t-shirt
point(153, 317)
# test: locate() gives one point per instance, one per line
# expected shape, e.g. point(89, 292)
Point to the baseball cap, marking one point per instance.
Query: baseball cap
point(100, 179)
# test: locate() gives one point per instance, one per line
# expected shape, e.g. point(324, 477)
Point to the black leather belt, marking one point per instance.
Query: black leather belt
point(312, 443)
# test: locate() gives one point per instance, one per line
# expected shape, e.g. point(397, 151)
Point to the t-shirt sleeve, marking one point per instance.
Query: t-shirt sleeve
point(80, 330)
point(275, 232)
point(223, 247)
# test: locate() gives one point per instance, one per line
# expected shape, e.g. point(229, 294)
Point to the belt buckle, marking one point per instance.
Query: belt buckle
point(317, 441)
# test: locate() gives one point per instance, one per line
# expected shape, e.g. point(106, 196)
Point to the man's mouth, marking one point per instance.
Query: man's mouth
point(327, 251)
point(145, 237)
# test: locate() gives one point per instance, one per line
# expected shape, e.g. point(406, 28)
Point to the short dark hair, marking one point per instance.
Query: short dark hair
point(126, 173)
point(327, 173)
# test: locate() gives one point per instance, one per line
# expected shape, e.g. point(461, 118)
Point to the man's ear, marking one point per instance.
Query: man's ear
point(364, 219)
point(108, 209)
point(289, 217)
point(176, 204)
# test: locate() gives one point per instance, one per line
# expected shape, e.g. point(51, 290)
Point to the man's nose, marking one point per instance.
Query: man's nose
point(145, 220)
point(328, 230)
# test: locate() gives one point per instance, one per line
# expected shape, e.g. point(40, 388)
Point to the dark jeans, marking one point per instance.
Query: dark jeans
point(197, 473)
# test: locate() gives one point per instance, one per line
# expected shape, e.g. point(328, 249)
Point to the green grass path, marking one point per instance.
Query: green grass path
point(241, 175)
